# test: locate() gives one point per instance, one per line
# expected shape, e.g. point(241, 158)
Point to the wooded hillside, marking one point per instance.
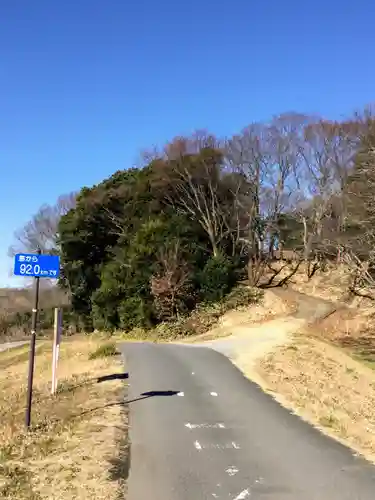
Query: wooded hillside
point(150, 243)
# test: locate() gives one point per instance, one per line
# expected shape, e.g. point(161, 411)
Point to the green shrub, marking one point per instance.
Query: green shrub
point(136, 333)
point(103, 318)
point(104, 351)
point(239, 297)
point(206, 314)
point(217, 278)
point(134, 312)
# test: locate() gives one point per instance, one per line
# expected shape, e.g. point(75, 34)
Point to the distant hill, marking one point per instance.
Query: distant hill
point(16, 305)
point(13, 300)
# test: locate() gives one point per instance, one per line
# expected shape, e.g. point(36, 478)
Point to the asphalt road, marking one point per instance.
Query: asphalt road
point(200, 430)
point(11, 345)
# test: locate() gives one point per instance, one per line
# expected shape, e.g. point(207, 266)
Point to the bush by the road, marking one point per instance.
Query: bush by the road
point(217, 278)
point(104, 351)
point(201, 319)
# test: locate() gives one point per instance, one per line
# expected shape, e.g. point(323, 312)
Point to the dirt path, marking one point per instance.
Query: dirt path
point(246, 340)
point(308, 308)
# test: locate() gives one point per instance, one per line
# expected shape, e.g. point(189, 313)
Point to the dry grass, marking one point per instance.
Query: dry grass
point(331, 284)
point(326, 387)
point(352, 326)
point(350, 329)
point(270, 306)
point(77, 448)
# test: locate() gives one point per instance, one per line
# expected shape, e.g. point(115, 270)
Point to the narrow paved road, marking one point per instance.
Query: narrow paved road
point(200, 430)
point(11, 345)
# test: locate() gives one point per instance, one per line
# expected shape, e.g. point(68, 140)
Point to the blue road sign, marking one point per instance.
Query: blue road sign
point(38, 266)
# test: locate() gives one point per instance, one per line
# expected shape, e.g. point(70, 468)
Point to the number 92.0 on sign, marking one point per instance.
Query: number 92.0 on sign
point(35, 270)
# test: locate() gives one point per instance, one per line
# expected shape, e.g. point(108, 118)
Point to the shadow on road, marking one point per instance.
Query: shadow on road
point(144, 395)
point(151, 394)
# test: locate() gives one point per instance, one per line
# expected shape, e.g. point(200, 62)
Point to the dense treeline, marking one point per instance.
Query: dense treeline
point(149, 244)
point(136, 251)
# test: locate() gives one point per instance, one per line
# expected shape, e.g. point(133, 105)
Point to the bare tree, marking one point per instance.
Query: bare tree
point(42, 229)
point(190, 180)
point(341, 143)
point(268, 157)
point(326, 150)
point(282, 175)
point(246, 155)
point(170, 288)
point(182, 146)
point(357, 241)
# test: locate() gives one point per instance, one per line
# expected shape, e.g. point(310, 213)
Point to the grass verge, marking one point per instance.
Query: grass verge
point(105, 350)
point(351, 329)
point(77, 435)
point(327, 387)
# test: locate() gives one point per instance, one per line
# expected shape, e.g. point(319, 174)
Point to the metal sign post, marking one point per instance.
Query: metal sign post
point(32, 352)
point(36, 266)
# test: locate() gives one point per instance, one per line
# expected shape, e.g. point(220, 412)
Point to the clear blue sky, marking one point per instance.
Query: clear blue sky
point(86, 84)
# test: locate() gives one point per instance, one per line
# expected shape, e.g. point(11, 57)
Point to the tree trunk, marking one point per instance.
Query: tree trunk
point(251, 273)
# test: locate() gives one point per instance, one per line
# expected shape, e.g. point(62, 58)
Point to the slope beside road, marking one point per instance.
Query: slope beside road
point(199, 429)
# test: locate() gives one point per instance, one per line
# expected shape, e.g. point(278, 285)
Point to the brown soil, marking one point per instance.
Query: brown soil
point(326, 387)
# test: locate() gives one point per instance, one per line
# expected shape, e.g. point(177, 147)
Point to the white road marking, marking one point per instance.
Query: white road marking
point(242, 495)
point(214, 495)
point(213, 393)
point(197, 445)
point(232, 471)
point(212, 446)
point(180, 394)
point(227, 446)
point(193, 373)
point(204, 426)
